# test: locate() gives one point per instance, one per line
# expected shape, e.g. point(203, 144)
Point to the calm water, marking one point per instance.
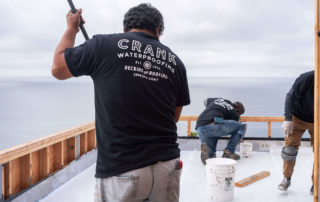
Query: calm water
point(34, 107)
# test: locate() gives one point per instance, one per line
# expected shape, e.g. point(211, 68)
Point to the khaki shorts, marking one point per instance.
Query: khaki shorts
point(159, 182)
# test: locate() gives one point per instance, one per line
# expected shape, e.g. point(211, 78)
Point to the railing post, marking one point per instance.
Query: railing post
point(189, 127)
point(1, 183)
point(78, 147)
point(269, 129)
point(316, 106)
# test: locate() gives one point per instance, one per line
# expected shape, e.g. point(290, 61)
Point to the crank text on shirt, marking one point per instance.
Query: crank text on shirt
point(221, 102)
point(156, 55)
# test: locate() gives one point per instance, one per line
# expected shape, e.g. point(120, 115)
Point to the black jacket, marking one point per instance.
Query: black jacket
point(299, 100)
point(217, 107)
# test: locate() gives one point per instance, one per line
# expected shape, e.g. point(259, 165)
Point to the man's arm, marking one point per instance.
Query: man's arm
point(60, 69)
point(177, 113)
point(289, 106)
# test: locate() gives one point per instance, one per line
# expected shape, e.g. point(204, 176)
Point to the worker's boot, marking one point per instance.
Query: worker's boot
point(285, 184)
point(228, 154)
point(311, 190)
point(204, 153)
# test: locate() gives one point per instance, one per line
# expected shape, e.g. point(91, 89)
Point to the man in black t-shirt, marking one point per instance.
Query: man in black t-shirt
point(299, 117)
point(140, 88)
point(220, 118)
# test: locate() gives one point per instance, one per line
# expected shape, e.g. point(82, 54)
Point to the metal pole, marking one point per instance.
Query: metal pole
point(316, 108)
point(73, 9)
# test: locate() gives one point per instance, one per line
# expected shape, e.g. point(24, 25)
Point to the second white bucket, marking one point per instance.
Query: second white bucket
point(246, 149)
point(220, 178)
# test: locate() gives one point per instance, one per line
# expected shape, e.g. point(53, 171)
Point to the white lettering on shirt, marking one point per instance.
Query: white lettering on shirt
point(120, 43)
point(221, 102)
point(136, 45)
point(149, 50)
point(161, 52)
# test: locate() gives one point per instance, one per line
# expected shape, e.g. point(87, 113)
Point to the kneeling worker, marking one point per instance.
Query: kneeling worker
point(220, 118)
point(298, 118)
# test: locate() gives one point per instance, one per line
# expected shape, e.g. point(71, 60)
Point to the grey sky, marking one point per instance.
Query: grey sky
point(225, 38)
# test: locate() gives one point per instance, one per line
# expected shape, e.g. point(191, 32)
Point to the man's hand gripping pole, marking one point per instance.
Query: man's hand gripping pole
point(74, 10)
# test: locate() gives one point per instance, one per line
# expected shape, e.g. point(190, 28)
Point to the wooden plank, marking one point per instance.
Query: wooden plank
point(261, 119)
point(6, 192)
point(95, 138)
point(83, 143)
point(25, 171)
point(243, 118)
point(2, 182)
point(252, 178)
point(65, 152)
point(26, 148)
point(187, 118)
point(189, 128)
point(44, 163)
point(35, 167)
point(71, 149)
point(91, 140)
point(269, 129)
point(58, 162)
point(14, 172)
point(50, 159)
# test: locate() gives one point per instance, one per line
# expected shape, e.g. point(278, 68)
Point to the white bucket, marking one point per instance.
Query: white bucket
point(220, 178)
point(246, 149)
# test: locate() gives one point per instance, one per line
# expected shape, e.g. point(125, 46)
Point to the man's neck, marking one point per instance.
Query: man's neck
point(145, 31)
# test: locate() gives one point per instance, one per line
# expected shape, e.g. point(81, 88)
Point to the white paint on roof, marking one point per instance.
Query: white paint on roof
point(193, 180)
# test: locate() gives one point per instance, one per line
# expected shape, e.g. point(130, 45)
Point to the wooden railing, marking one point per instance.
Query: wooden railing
point(25, 165)
point(268, 120)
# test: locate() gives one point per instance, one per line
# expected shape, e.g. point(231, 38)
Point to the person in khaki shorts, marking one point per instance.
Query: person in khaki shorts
point(299, 117)
point(140, 88)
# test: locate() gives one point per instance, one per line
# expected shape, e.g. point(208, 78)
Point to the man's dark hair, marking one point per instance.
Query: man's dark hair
point(144, 16)
point(239, 107)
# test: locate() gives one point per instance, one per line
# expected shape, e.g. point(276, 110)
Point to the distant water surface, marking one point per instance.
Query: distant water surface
point(32, 107)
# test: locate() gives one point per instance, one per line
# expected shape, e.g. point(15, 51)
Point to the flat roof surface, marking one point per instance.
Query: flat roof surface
point(193, 180)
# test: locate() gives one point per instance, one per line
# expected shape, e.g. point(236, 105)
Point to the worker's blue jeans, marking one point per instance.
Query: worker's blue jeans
point(210, 134)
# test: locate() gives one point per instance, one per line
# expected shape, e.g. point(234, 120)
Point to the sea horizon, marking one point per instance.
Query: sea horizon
point(33, 107)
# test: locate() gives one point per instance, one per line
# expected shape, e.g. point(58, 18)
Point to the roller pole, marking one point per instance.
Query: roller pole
point(74, 10)
point(316, 108)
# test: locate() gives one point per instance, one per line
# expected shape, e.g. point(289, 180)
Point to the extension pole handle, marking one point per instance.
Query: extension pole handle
point(74, 10)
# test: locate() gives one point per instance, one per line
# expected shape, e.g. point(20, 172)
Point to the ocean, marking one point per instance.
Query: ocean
point(33, 107)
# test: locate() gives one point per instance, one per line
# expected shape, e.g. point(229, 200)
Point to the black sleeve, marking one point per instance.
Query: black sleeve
point(289, 106)
point(183, 97)
point(299, 87)
point(209, 100)
point(81, 60)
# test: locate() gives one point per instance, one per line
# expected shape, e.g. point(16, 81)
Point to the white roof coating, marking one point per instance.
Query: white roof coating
point(193, 180)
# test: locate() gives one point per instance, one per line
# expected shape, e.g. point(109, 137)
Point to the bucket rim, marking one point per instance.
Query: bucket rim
point(220, 162)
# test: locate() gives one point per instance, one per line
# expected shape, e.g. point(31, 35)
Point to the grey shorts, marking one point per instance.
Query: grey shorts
point(159, 182)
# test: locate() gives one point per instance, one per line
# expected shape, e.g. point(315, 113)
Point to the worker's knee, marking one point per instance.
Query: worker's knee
point(289, 153)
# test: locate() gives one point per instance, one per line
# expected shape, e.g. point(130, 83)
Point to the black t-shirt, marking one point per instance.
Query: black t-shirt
point(217, 107)
point(138, 82)
point(300, 99)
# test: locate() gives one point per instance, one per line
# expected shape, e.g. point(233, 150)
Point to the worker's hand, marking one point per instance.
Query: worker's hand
point(73, 20)
point(287, 128)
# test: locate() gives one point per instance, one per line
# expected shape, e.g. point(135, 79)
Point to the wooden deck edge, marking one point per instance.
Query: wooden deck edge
point(29, 147)
point(49, 184)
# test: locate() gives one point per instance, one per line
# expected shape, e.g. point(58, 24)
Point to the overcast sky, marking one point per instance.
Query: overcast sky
point(227, 38)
